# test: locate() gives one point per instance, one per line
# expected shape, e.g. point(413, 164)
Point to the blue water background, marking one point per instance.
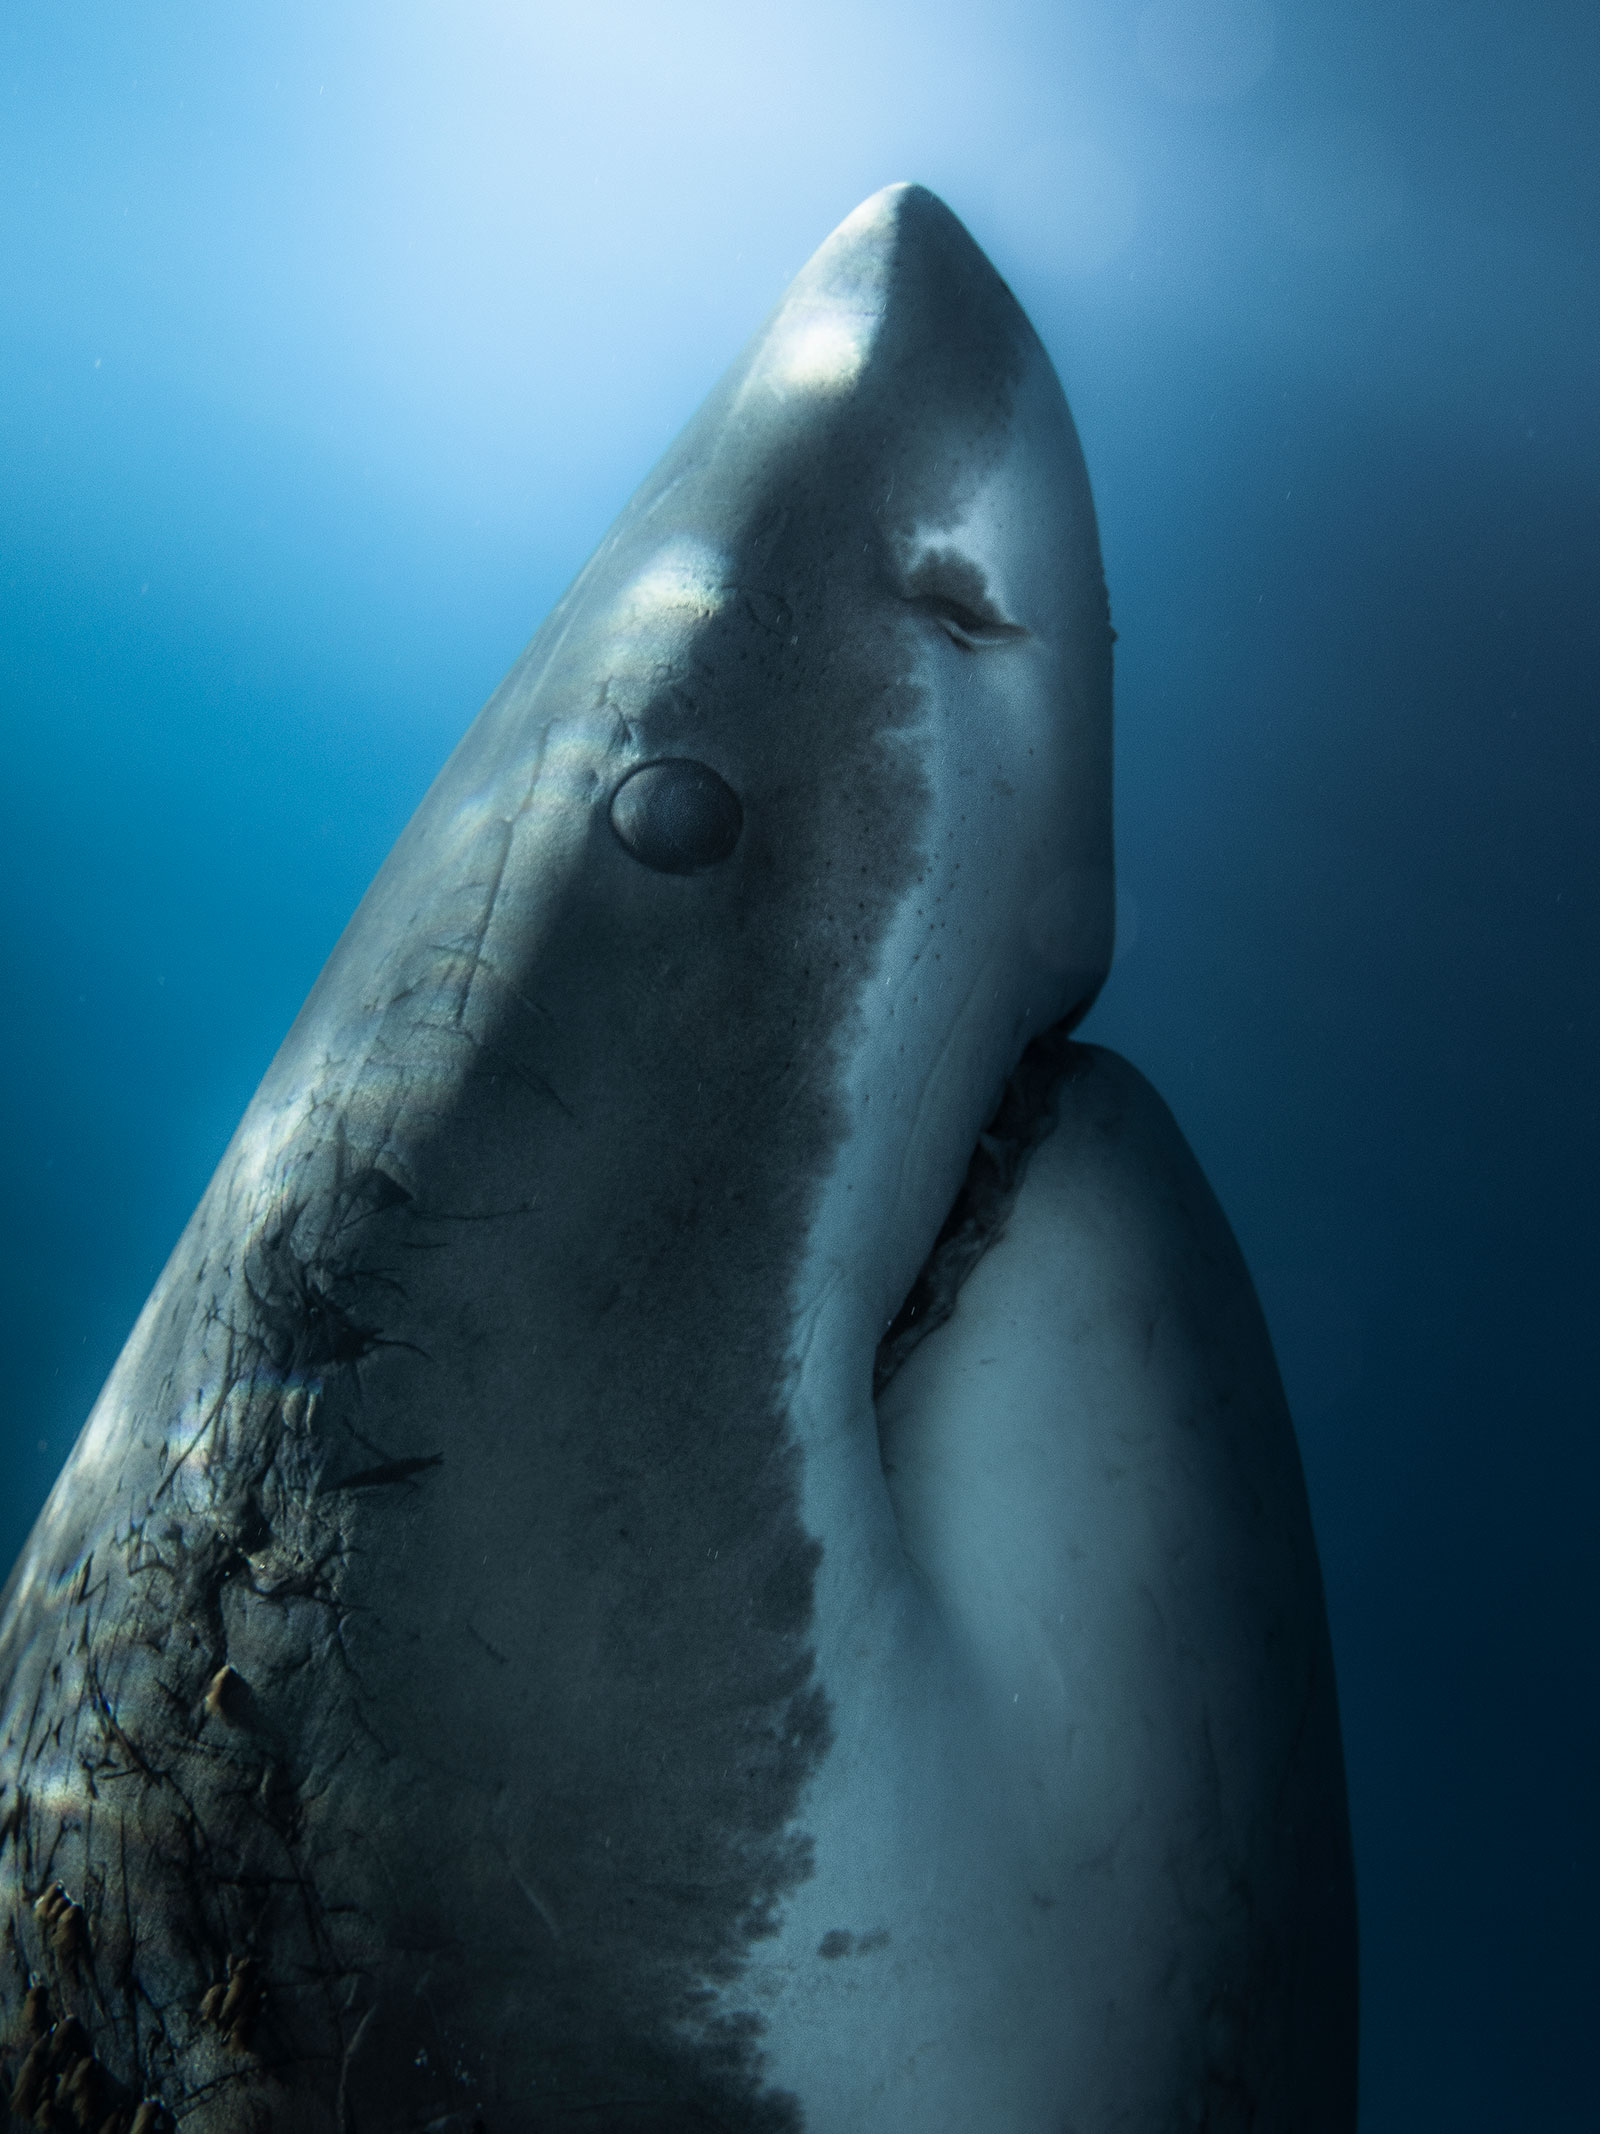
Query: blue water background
point(332, 337)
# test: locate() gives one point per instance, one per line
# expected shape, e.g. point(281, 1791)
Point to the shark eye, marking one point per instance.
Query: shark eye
point(677, 815)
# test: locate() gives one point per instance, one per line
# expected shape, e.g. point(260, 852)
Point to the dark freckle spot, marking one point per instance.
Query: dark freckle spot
point(677, 816)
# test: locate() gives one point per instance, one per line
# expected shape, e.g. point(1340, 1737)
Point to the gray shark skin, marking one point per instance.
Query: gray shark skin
point(701, 1532)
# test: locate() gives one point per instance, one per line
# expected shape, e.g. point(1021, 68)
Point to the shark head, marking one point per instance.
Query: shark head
point(823, 729)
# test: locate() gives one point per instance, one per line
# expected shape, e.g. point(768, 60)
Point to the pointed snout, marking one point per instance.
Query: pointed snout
point(899, 318)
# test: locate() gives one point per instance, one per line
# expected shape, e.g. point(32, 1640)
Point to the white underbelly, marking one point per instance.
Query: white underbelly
point(1069, 1651)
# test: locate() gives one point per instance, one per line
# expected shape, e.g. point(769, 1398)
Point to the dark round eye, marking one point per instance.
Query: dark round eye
point(677, 815)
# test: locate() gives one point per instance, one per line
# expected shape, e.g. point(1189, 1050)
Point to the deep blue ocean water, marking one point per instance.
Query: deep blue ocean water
point(331, 338)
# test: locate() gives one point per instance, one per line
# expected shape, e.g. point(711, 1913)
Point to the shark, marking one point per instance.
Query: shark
point(701, 1531)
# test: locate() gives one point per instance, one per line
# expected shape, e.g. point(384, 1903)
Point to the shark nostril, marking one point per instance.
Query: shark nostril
point(677, 815)
point(968, 626)
point(952, 590)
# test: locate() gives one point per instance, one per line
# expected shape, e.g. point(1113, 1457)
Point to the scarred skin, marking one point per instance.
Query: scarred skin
point(474, 1670)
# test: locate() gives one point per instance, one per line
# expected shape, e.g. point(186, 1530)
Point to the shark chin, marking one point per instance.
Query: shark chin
point(701, 1532)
